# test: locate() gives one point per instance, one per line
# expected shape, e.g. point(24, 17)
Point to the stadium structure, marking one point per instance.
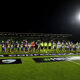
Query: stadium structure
point(31, 44)
point(34, 36)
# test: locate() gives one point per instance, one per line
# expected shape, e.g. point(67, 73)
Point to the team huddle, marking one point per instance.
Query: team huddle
point(24, 46)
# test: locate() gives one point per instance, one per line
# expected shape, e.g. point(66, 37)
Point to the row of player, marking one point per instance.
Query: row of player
point(11, 46)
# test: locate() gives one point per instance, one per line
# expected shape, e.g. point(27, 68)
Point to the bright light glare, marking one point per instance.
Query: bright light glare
point(78, 17)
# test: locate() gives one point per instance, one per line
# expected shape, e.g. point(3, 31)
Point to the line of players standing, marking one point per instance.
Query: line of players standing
point(11, 46)
point(38, 45)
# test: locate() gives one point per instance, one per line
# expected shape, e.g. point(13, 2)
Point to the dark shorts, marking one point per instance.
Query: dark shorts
point(45, 47)
point(67, 48)
point(21, 49)
point(12, 49)
point(32, 47)
point(3, 49)
point(54, 47)
point(70, 48)
point(41, 47)
point(17, 49)
point(36, 47)
point(74, 49)
point(15, 46)
point(49, 47)
point(8, 49)
point(26, 48)
point(60, 48)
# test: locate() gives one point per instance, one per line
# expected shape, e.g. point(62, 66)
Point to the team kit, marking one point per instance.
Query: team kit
point(39, 46)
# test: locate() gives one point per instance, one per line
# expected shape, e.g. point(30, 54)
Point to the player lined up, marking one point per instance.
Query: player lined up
point(39, 46)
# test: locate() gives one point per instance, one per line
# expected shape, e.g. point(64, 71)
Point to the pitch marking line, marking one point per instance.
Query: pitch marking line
point(75, 62)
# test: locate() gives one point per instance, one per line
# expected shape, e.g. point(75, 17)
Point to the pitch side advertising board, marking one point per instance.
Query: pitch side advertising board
point(10, 61)
point(56, 59)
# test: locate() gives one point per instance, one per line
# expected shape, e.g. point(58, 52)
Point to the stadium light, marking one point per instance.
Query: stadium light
point(78, 17)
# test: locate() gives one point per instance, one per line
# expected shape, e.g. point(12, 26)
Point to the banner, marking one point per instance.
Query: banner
point(56, 59)
point(23, 55)
point(10, 61)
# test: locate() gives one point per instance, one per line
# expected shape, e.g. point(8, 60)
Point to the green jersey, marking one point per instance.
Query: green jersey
point(42, 44)
point(45, 44)
point(49, 44)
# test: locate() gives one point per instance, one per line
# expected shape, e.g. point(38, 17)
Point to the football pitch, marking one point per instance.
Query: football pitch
point(30, 70)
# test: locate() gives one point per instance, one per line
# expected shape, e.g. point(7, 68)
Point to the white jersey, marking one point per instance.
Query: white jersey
point(58, 45)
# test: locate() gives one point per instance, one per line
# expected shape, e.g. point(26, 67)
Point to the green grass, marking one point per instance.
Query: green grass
point(30, 70)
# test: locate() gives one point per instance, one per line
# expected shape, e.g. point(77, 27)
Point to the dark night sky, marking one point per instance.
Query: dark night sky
point(41, 17)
